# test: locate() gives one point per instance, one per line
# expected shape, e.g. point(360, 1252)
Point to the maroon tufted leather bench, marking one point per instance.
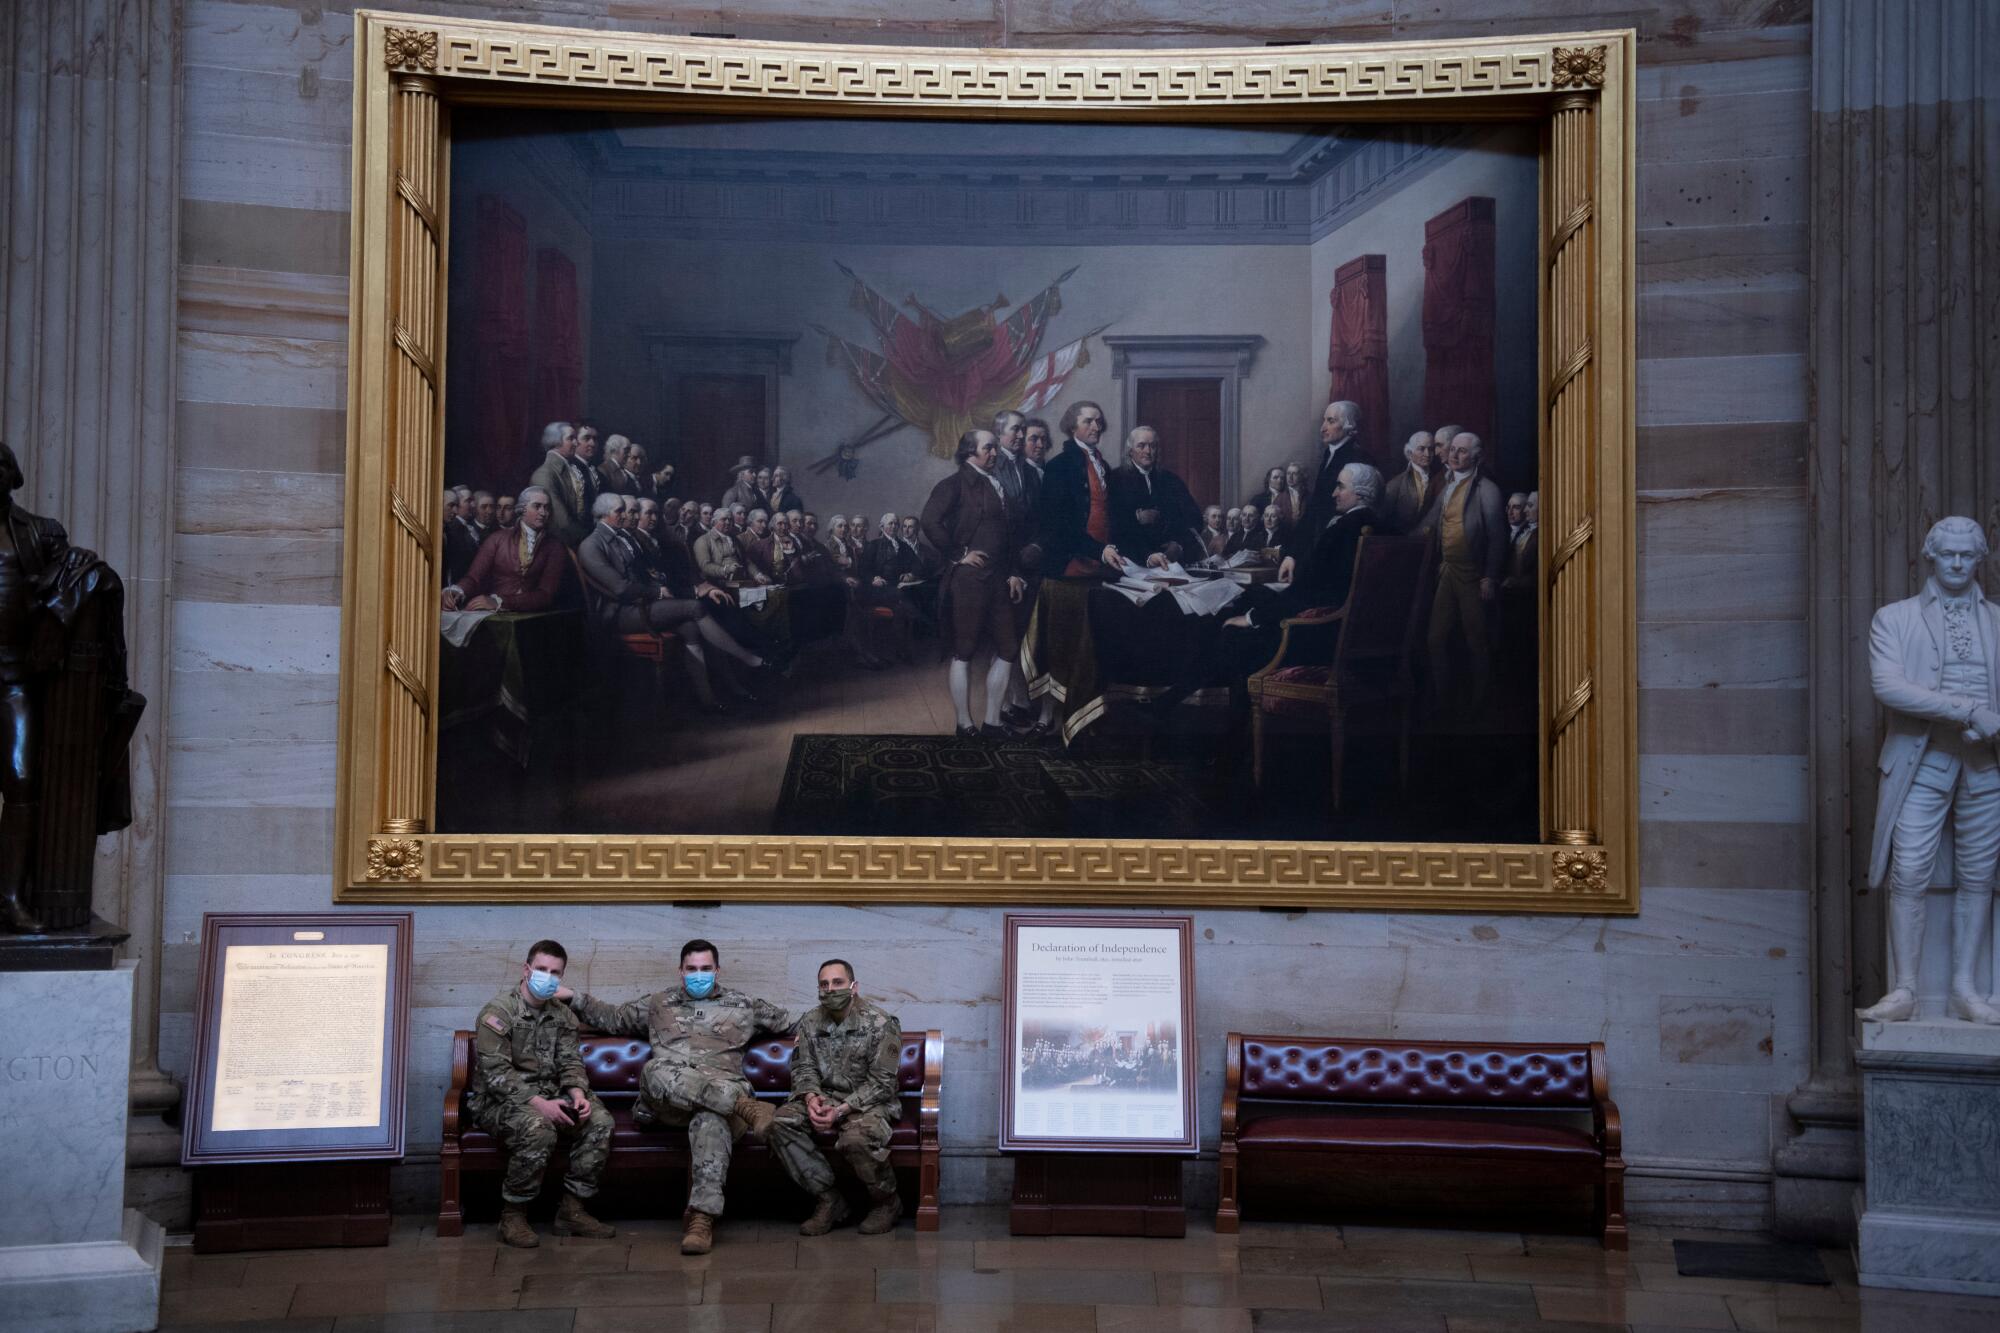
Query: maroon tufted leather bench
point(614, 1064)
point(1387, 1111)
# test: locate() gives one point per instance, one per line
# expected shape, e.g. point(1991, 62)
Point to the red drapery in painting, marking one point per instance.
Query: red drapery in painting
point(1458, 322)
point(501, 435)
point(559, 377)
point(1358, 351)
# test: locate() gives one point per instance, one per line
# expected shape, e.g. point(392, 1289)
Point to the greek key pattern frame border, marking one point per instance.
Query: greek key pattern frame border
point(402, 861)
point(988, 78)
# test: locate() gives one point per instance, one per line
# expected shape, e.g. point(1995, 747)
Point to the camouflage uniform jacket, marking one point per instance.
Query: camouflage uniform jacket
point(704, 1035)
point(519, 1051)
point(855, 1060)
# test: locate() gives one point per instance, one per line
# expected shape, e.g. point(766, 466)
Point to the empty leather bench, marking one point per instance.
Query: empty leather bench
point(1375, 1118)
point(614, 1065)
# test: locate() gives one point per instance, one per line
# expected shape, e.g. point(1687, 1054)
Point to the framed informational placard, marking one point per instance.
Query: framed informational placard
point(1100, 1035)
point(302, 1031)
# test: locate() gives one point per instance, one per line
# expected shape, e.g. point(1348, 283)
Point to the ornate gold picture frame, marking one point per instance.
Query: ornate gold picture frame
point(412, 69)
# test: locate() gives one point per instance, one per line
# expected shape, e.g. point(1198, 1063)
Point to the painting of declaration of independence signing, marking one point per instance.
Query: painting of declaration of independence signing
point(851, 477)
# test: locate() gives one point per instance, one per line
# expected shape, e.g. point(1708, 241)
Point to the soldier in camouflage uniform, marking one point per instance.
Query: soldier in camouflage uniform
point(695, 1078)
point(528, 1088)
point(844, 1077)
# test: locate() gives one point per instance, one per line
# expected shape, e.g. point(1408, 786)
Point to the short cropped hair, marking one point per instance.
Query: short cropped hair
point(831, 962)
point(549, 947)
point(700, 946)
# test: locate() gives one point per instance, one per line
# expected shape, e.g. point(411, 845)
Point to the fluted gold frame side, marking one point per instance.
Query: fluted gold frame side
point(409, 69)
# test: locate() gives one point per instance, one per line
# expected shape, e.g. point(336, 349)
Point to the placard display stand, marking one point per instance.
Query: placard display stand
point(295, 1102)
point(1097, 1093)
point(1126, 1194)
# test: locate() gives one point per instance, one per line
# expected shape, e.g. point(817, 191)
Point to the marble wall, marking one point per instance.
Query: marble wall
point(1703, 998)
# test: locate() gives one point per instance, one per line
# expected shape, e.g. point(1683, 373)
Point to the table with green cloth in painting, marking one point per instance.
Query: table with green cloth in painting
point(1088, 646)
point(517, 669)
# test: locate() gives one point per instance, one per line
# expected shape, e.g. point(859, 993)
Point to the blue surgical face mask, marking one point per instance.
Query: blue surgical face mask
point(543, 984)
point(698, 985)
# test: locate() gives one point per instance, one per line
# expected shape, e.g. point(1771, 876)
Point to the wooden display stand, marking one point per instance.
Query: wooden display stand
point(1085, 1194)
point(291, 1206)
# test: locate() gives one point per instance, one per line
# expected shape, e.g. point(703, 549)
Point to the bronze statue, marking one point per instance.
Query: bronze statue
point(66, 716)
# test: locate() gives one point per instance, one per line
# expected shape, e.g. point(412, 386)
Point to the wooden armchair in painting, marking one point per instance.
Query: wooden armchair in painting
point(1334, 660)
point(656, 649)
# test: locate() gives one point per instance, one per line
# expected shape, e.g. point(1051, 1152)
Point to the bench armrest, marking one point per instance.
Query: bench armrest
point(1232, 1084)
point(930, 1105)
point(1604, 1120)
point(461, 1075)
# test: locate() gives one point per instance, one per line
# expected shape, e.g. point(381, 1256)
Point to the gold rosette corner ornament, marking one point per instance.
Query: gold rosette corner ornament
point(1578, 67)
point(395, 858)
point(1580, 871)
point(403, 47)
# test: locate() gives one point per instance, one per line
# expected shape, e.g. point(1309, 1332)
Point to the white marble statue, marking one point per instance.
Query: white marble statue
point(1935, 662)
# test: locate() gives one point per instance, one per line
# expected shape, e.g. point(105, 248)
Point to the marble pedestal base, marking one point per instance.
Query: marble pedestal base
point(73, 1258)
point(1928, 1213)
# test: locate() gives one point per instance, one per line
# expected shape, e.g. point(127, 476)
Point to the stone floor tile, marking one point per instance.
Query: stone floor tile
point(660, 1254)
point(1395, 1296)
point(924, 1252)
point(1621, 1306)
point(1195, 1255)
point(1275, 1291)
point(1359, 1263)
point(255, 1326)
point(572, 1290)
point(673, 1319)
point(854, 1317)
point(1290, 1235)
point(603, 1256)
point(182, 1267)
point(1064, 1287)
point(405, 1296)
point(1334, 1321)
point(491, 1321)
point(1790, 1308)
point(1167, 1319)
point(856, 1285)
point(1425, 1240)
point(224, 1305)
point(1666, 1277)
point(1475, 1323)
point(1546, 1270)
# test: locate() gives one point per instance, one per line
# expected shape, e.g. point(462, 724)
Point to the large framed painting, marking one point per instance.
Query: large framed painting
point(877, 474)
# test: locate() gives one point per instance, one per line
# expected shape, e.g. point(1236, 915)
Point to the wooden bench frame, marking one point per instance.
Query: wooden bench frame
point(666, 1149)
point(1605, 1123)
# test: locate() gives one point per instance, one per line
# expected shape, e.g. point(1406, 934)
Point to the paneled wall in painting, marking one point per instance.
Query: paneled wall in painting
point(1702, 999)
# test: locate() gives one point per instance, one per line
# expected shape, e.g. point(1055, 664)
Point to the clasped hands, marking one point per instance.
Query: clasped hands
point(824, 1114)
point(1983, 725)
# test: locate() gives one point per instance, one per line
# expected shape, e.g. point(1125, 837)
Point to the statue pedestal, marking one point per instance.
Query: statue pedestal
point(1929, 1209)
point(73, 1258)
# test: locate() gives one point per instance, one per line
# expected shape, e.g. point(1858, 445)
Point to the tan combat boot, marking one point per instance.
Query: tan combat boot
point(573, 1220)
point(882, 1217)
point(698, 1232)
point(756, 1115)
point(514, 1228)
point(830, 1213)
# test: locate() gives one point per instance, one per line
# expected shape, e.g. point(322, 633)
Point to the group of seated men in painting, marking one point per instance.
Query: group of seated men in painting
point(966, 566)
point(530, 1090)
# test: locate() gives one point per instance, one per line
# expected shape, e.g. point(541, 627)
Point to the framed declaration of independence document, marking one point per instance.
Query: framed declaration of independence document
point(1100, 1035)
point(301, 1036)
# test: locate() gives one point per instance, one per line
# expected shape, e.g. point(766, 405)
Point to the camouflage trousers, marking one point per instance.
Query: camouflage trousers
point(863, 1139)
point(529, 1139)
point(702, 1103)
